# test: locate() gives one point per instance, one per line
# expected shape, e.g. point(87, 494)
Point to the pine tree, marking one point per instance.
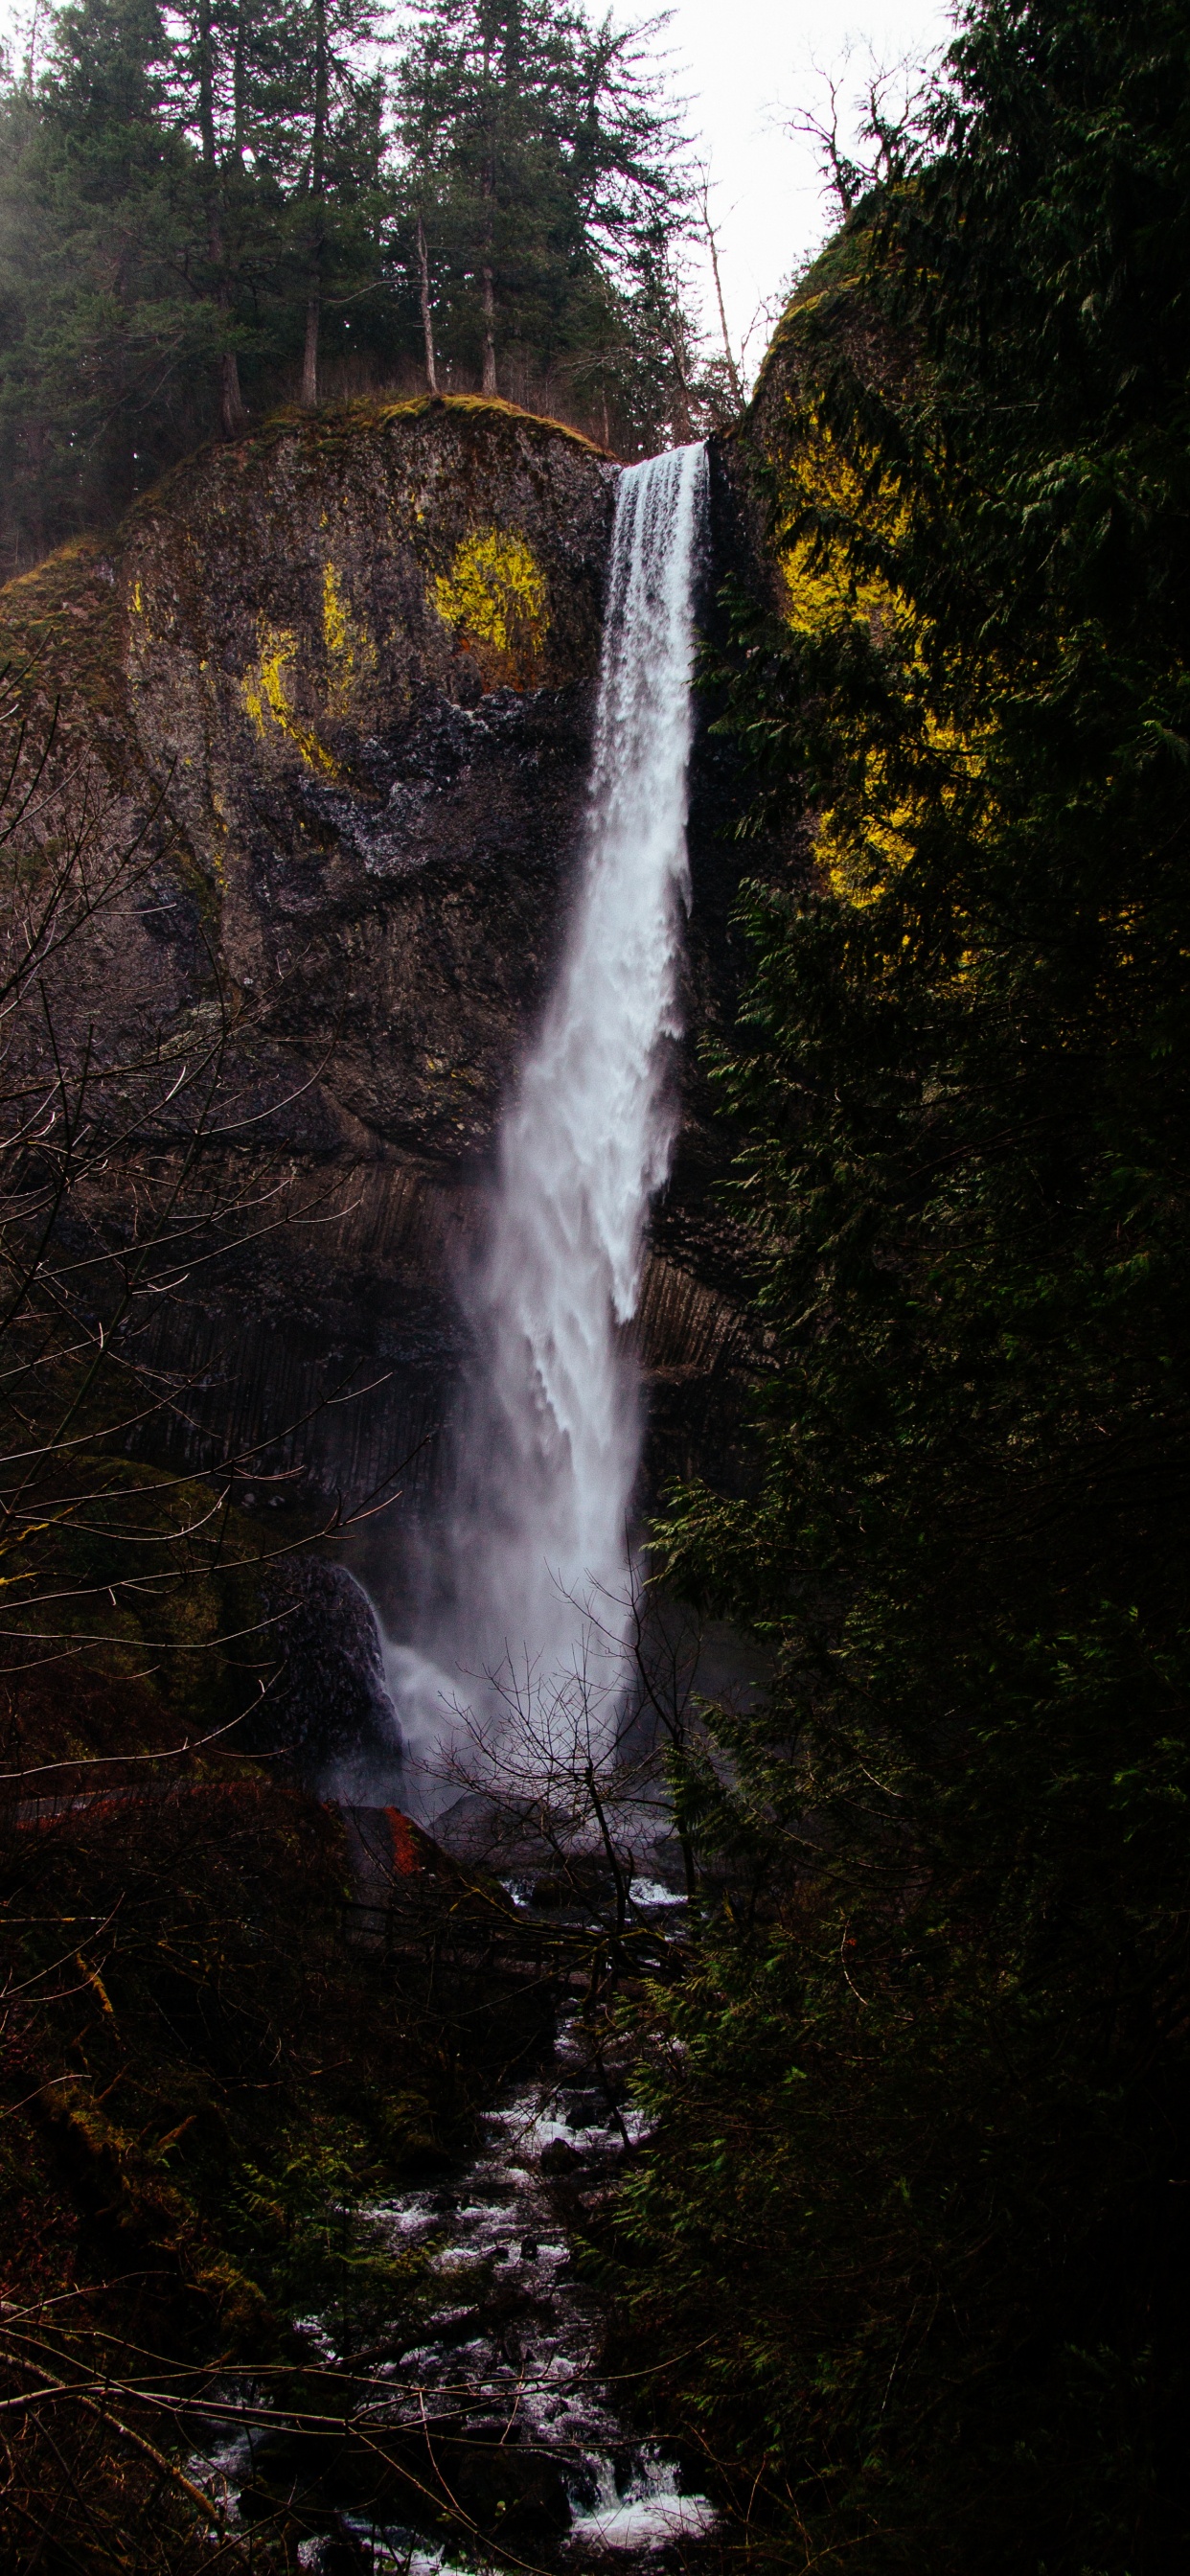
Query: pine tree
point(545, 187)
point(106, 339)
point(203, 57)
point(338, 206)
point(174, 198)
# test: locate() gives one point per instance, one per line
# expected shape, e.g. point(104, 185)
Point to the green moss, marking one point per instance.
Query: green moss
point(59, 620)
point(45, 578)
point(333, 427)
point(834, 272)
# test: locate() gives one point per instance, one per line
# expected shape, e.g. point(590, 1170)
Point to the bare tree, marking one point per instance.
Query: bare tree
point(869, 138)
point(136, 1113)
point(427, 310)
point(703, 201)
point(570, 1772)
point(134, 1160)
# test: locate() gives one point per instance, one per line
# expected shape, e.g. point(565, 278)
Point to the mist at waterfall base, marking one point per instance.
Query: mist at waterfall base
point(525, 1589)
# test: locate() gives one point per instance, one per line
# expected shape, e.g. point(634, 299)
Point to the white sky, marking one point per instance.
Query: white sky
point(745, 67)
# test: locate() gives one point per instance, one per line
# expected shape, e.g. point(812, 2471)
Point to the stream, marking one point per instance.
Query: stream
point(502, 2390)
point(535, 2368)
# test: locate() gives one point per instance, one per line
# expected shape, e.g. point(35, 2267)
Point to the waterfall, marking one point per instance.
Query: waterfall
point(532, 1564)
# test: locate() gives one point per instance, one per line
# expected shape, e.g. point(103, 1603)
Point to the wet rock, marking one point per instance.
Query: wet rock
point(578, 1887)
point(338, 2553)
point(558, 2159)
point(587, 2111)
point(328, 1706)
point(521, 2493)
point(519, 2451)
point(422, 2478)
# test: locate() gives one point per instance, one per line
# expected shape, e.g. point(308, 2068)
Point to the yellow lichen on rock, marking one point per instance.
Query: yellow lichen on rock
point(265, 692)
point(864, 843)
point(494, 596)
point(336, 633)
point(349, 650)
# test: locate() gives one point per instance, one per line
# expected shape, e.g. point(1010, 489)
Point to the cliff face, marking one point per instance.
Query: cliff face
point(353, 657)
point(340, 676)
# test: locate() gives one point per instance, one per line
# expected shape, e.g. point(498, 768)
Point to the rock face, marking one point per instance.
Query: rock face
point(342, 678)
point(328, 1713)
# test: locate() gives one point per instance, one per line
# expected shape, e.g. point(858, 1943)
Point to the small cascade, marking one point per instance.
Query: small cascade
point(527, 1576)
point(522, 2334)
point(504, 2371)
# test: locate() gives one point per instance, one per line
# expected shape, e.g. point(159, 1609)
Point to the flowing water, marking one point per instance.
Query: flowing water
point(503, 2370)
point(528, 1575)
point(528, 2357)
point(529, 1593)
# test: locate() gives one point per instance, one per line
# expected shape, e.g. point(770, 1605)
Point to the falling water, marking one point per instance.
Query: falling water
point(550, 1428)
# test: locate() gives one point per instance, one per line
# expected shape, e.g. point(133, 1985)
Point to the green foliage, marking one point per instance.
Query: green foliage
point(156, 218)
point(324, 2254)
point(941, 2270)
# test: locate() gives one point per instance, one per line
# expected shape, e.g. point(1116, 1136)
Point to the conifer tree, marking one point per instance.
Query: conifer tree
point(339, 98)
point(103, 265)
point(547, 175)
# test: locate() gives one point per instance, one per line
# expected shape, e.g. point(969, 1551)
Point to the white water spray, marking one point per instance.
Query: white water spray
point(550, 1435)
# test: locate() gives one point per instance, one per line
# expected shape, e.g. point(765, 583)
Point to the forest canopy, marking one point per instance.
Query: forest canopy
point(208, 211)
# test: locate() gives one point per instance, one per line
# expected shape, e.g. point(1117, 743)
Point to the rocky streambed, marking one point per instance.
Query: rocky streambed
point(480, 2431)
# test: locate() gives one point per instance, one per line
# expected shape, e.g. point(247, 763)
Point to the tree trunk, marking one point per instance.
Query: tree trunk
point(317, 190)
point(682, 423)
point(489, 287)
point(231, 402)
point(489, 332)
point(233, 411)
point(239, 103)
point(713, 246)
point(309, 394)
point(427, 318)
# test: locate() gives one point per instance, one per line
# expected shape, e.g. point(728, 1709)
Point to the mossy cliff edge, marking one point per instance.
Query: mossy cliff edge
point(337, 652)
point(342, 674)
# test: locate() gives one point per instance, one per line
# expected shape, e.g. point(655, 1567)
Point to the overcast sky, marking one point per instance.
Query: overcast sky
point(746, 67)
